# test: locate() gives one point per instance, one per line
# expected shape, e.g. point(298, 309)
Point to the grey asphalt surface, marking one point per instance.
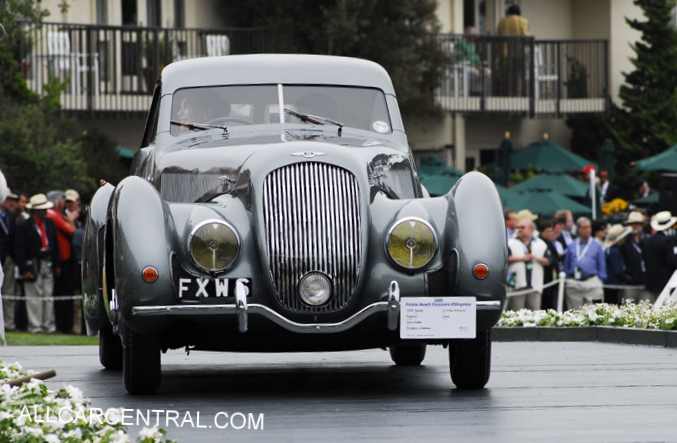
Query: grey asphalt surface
point(538, 392)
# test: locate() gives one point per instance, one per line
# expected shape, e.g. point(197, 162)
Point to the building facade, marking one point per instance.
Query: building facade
point(573, 66)
point(109, 54)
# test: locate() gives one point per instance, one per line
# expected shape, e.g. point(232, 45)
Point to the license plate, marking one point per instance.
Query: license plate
point(200, 288)
point(438, 317)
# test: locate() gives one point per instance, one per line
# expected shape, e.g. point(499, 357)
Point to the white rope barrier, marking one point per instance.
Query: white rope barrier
point(53, 298)
point(561, 282)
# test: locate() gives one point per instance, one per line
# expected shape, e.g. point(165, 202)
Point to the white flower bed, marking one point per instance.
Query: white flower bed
point(631, 315)
point(34, 413)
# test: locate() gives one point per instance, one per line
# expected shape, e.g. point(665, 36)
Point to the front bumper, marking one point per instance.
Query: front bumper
point(241, 309)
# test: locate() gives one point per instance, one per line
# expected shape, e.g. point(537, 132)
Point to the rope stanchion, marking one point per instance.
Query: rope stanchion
point(560, 291)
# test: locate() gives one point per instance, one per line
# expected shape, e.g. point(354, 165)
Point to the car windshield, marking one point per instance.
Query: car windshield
point(216, 107)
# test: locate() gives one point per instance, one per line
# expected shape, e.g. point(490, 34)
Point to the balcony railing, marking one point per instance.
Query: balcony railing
point(114, 68)
point(524, 75)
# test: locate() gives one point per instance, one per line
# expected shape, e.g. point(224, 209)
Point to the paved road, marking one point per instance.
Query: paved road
point(538, 392)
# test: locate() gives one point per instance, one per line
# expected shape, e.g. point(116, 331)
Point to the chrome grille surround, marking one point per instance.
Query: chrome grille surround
point(312, 222)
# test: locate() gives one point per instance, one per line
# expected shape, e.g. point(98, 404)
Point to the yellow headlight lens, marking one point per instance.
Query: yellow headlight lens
point(214, 246)
point(411, 243)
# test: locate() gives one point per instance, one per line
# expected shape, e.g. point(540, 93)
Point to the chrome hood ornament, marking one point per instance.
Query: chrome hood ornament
point(308, 154)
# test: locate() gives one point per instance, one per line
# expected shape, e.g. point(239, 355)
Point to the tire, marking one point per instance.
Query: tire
point(407, 355)
point(110, 349)
point(470, 361)
point(141, 367)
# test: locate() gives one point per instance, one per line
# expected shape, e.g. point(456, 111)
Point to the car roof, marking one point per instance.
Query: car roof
point(275, 68)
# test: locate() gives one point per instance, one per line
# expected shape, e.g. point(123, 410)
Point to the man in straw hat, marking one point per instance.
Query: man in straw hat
point(36, 254)
point(585, 266)
point(659, 253)
point(634, 261)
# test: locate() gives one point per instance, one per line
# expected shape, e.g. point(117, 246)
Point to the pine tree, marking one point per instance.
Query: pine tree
point(646, 122)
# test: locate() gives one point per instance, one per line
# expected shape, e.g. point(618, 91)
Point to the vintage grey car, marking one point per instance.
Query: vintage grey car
point(274, 206)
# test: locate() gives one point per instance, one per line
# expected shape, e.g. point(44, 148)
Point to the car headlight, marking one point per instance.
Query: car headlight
point(214, 245)
point(411, 243)
point(315, 288)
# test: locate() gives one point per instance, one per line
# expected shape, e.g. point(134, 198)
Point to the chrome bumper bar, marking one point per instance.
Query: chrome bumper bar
point(242, 309)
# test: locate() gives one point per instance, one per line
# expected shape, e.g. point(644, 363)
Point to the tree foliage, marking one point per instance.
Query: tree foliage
point(398, 34)
point(646, 122)
point(40, 148)
point(643, 123)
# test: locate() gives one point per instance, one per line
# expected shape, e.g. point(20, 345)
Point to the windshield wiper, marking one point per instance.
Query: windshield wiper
point(194, 126)
point(315, 119)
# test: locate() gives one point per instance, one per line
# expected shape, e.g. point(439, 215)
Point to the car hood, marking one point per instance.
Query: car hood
point(198, 168)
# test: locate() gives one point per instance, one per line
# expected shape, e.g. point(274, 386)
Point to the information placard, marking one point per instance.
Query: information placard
point(437, 317)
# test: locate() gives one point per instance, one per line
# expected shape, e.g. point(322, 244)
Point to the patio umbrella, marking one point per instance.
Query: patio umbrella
point(562, 183)
point(431, 165)
point(651, 199)
point(547, 203)
point(548, 157)
point(665, 161)
point(507, 195)
point(438, 184)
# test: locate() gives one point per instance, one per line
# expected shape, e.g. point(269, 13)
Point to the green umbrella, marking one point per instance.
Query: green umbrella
point(507, 195)
point(649, 200)
point(547, 203)
point(432, 165)
point(548, 157)
point(564, 184)
point(124, 152)
point(665, 161)
point(438, 184)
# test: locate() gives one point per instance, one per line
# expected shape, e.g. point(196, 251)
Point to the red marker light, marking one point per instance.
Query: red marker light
point(480, 271)
point(150, 274)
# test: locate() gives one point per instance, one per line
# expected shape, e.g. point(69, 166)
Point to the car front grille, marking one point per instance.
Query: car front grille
point(312, 223)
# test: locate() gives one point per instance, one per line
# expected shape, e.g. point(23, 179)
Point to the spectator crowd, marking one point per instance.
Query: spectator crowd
point(40, 243)
point(612, 263)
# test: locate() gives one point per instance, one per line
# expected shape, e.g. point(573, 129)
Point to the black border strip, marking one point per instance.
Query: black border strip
point(604, 334)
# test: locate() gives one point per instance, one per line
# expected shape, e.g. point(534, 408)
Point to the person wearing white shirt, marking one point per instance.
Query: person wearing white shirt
point(528, 256)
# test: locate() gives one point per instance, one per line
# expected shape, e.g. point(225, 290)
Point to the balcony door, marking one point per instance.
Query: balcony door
point(482, 16)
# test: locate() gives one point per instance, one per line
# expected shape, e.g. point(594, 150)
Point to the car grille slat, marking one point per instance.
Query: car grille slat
point(312, 222)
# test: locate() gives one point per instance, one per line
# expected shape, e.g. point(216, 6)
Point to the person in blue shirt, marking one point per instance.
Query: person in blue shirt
point(585, 266)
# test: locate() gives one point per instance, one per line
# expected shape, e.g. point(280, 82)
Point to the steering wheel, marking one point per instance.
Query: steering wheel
point(220, 120)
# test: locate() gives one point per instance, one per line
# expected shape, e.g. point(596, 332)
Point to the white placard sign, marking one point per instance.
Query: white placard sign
point(437, 317)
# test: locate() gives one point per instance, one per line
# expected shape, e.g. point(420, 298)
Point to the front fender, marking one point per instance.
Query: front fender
point(469, 225)
point(142, 236)
point(478, 235)
point(93, 249)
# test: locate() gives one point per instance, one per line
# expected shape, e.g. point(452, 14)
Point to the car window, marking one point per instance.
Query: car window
point(354, 107)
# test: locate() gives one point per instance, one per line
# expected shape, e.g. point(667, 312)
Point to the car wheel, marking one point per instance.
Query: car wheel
point(470, 361)
point(141, 367)
point(407, 355)
point(110, 349)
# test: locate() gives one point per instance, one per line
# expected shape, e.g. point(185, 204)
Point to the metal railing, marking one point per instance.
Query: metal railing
point(114, 68)
point(523, 75)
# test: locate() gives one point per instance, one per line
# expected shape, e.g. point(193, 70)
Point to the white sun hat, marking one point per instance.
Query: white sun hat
point(662, 221)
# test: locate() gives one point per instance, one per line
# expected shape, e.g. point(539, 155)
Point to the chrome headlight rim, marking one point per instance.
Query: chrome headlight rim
point(309, 274)
point(194, 232)
point(388, 236)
